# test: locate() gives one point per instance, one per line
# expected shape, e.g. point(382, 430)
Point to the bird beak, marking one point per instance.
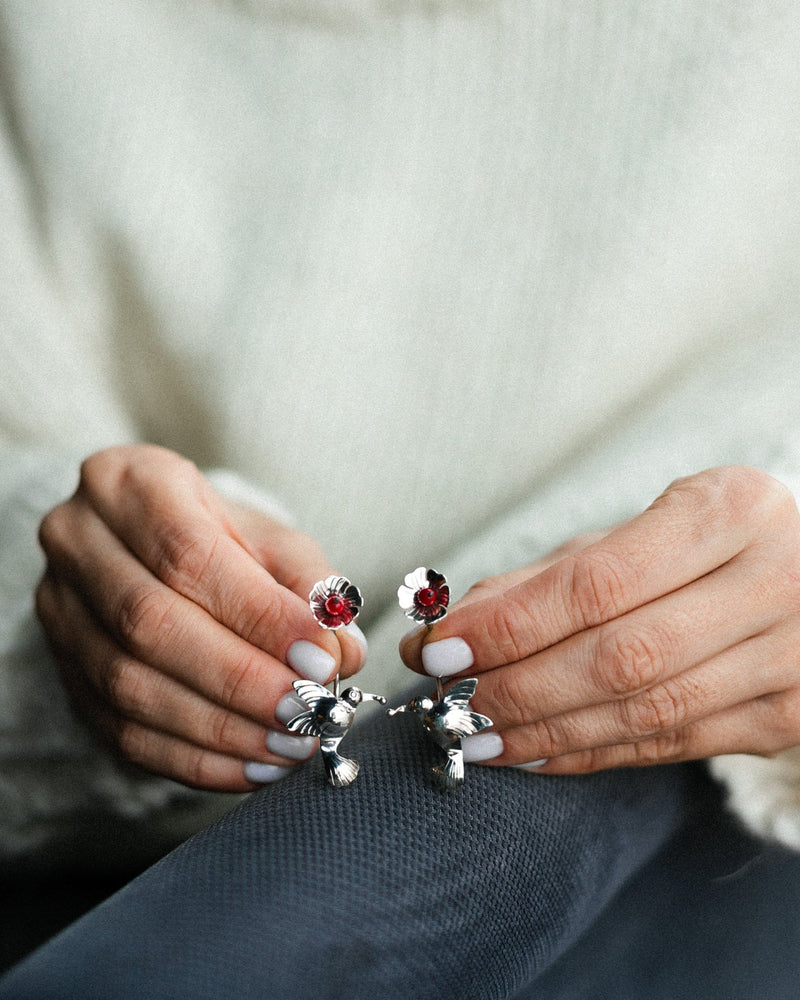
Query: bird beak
point(373, 697)
point(396, 711)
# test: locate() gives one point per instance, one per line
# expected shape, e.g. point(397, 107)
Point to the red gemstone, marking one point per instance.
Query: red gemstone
point(334, 605)
point(427, 597)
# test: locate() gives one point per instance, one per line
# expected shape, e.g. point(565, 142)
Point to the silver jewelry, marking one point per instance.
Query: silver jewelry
point(447, 718)
point(335, 603)
point(447, 721)
point(424, 596)
point(329, 718)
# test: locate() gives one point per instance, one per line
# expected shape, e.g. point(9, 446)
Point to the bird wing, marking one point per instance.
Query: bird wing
point(311, 693)
point(466, 723)
point(304, 723)
point(479, 721)
point(460, 693)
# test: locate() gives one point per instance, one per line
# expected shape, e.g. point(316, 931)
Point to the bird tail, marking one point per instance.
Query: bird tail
point(451, 773)
point(340, 770)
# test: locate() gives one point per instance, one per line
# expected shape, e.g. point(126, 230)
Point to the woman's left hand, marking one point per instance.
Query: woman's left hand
point(674, 637)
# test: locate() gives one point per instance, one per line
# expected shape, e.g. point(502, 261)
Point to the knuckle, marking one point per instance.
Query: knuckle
point(236, 681)
point(486, 587)
point(259, 618)
point(505, 634)
point(126, 687)
point(665, 747)
point(751, 497)
point(589, 761)
point(597, 586)
point(661, 708)
point(784, 711)
point(95, 472)
point(104, 471)
point(183, 557)
point(142, 617)
point(778, 587)
point(222, 731)
point(550, 738)
point(53, 530)
point(741, 495)
point(113, 681)
point(131, 739)
point(627, 661)
point(503, 699)
point(196, 769)
point(150, 466)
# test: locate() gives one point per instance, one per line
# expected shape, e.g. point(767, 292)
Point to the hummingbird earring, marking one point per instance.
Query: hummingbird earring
point(447, 719)
point(335, 602)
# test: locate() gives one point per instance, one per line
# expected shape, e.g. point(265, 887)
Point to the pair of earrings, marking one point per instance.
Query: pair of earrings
point(424, 597)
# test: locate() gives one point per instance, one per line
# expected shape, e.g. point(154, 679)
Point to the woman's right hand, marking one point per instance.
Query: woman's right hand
point(179, 620)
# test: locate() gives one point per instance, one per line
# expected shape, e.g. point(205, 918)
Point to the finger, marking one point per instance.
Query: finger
point(695, 527)
point(764, 726)
point(159, 753)
point(493, 586)
point(296, 562)
point(641, 651)
point(139, 693)
point(163, 510)
point(747, 672)
point(175, 758)
point(171, 633)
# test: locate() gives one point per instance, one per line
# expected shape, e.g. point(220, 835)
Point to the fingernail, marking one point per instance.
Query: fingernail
point(293, 747)
point(264, 774)
point(532, 764)
point(353, 630)
point(288, 707)
point(481, 746)
point(447, 656)
point(310, 661)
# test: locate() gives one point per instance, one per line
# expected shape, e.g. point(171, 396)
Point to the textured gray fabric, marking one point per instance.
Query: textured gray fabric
point(714, 916)
point(390, 888)
point(628, 884)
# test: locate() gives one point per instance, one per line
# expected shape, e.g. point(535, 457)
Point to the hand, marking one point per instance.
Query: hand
point(673, 637)
point(179, 620)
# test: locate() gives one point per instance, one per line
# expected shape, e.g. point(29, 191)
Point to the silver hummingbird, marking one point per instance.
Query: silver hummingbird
point(329, 717)
point(447, 721)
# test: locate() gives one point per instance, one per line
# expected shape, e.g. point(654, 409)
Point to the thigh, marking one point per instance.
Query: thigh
point(714, 915)
point(389, 888)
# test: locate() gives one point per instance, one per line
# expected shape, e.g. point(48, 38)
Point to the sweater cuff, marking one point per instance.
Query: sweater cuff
point(764, 792)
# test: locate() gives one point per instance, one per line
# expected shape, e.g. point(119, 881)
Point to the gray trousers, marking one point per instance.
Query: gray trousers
point(631, 885)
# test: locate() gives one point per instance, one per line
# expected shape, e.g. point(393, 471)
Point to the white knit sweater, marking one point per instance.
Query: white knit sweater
point(448, 280)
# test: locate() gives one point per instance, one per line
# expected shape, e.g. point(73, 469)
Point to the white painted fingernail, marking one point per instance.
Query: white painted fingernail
point(293, 747)
point(264, 774)
point(310, 661)
point(288, 707)
point(447, 656)
point(532, 764)
point(482, 746)
point(353, 630)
